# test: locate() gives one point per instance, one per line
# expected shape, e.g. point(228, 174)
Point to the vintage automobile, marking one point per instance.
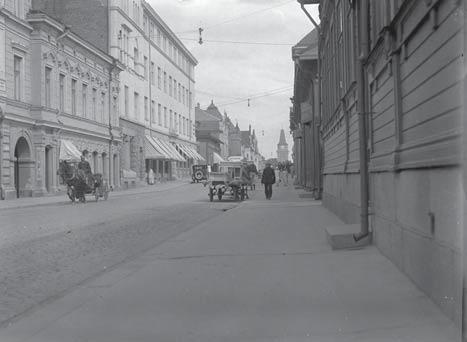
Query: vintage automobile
point(200, 173)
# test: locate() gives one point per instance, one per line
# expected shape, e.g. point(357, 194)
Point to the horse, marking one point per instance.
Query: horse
point(78, 181)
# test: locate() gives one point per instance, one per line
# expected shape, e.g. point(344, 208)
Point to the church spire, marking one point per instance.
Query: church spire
point(282, 140)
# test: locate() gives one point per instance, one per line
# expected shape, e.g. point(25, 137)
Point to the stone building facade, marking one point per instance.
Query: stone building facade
point(157, 83)
point(54, 86)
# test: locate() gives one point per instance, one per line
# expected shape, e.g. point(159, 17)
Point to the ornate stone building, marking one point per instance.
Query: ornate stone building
point(157, 81)
point(54, 86)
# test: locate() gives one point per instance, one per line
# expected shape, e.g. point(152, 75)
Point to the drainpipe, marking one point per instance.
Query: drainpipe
point(317, 148)
point(111, 140)
point(362, 121)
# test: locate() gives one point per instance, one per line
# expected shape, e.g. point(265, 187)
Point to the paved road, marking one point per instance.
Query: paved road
point(48, 249)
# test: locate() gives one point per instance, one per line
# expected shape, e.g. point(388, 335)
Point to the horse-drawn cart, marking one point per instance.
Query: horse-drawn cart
point(79, 182)
point(230, 182)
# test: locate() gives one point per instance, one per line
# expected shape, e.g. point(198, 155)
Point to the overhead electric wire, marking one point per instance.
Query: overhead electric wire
point(240, 42)
point(217, 95)
point(240, 17)
point(260, 95)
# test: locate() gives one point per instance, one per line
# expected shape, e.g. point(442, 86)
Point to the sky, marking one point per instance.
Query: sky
point(231, 72)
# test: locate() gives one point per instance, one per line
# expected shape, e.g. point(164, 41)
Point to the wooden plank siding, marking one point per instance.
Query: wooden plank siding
point(353, 164)
point(431, 88)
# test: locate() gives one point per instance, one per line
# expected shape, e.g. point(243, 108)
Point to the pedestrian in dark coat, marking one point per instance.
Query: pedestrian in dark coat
point(268, 179)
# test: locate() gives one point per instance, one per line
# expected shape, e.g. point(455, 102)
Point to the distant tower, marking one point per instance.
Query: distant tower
point(282, 148)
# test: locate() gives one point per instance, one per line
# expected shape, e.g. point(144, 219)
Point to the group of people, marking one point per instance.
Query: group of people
point(284, 169)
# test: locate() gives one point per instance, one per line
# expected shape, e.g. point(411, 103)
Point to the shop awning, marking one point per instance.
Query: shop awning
point(152, 151)
point(175, 154)
point(189, 151)
point(217, 158)
point(69, 152)
point(195, 153)
point(166, 149)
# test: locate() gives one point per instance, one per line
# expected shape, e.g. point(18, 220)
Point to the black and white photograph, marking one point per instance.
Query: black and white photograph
point(233, 171)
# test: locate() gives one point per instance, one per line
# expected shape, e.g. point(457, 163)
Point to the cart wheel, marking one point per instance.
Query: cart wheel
point(211, 195)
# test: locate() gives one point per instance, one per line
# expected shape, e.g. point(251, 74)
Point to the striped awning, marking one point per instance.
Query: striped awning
point(165, 149)
point(151, 150)
point(189, 151)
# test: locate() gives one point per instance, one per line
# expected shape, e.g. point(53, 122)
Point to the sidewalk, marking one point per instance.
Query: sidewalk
point(63, 198)
point(262, 271)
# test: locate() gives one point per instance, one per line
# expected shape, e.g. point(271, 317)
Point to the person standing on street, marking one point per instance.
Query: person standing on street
point(268, 179)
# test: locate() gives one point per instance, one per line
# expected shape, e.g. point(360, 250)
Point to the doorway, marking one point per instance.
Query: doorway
point(22, 172)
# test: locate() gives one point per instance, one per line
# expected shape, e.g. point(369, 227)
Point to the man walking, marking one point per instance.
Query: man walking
point(268, 179)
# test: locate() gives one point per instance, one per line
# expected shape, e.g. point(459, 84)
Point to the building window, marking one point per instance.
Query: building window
point(171, 120)
point(183, 95)
point(179, 92)
point(146, 109)
point(165, 117)
point(158, 37)
point(151, 31)
point(84, 102)
point(170, 85)
point(114, 110)
point(127, 99)
point(94, 103)
point(175, 89)
point(18, 75)
point(48, 87)
point(159, 114)
point(153, 112)
point(145, 24)
point(165, 44)
point(145, 66)
point(102, 118)
point(124, 45)
point(136, 107)
point(61, 90)
point(153, 77)
point(159, 78)
point(190, 99)
point(179, 124)
point(135, 59)
point(186, 95)
point(73, 96)
point(165, 82)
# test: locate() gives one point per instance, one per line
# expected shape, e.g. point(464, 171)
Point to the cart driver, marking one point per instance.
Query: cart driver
point(86, 168)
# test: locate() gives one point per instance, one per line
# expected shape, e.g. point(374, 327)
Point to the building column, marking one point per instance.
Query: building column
point(38, 183)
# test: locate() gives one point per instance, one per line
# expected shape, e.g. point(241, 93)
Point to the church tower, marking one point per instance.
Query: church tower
point(282, 148)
